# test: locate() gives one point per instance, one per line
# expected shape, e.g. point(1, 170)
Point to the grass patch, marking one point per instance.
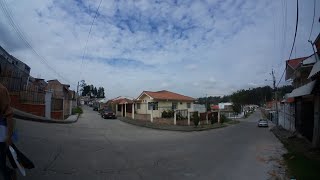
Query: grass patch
point(301, 167)
point(77, 110)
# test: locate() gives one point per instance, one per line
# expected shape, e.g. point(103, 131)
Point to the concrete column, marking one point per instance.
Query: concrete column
point(175, 118)
point(121, 110)
point(316, 127)
point(199, 118)
point(219, 116)
point(207, 118)
point(151, 116)
point(63, 108)
point(116, 109)
point(133, 110)
point(188, 118)
point(70, 107)
point(125, 110)
point(47, 103)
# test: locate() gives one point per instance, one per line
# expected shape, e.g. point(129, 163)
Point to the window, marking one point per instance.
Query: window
point(138, 105)
point(188, 105)
point(174, 105)
point(152, 105)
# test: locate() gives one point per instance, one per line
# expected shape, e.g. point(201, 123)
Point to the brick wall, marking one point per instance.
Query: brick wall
point(163, 121)
point(35, 109)
point(142, 116)
point(183, 122)
point(129, 115)
point(57, 115)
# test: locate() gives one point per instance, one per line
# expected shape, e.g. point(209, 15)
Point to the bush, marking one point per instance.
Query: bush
point(223, 119)
point(213, 119)
point(164, 114)
point(195, 118)
point(167, 114)
point(77, 110)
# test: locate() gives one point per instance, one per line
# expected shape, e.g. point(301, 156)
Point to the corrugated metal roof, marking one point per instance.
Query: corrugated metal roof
point(303, 90)
point(310, 60)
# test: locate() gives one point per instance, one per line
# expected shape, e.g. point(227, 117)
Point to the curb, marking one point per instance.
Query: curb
point(27, 117)
point(170, 129)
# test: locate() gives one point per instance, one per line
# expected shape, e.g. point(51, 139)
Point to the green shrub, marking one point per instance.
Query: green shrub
point(164, 114)
point(213, 119)
point(195, 118)
point(167, 114)
point(223, 119)
point(170, 114)
point(180, 116)
point(77, 110)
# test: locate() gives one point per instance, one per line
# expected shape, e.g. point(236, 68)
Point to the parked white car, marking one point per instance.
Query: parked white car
point(263, 123)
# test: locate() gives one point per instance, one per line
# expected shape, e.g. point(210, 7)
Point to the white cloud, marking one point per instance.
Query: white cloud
point(195, 47)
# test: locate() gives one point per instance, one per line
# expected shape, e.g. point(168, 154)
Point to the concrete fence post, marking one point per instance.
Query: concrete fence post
point(199, 118)
point(47, 103)
point(151, 116)
point(132, 110)
point(207, 118)
point(175, 118)
point(63, 106)
point(189, 118)
point(125, 110)
point(219, 116)
point(121, 110)
point(70, 107)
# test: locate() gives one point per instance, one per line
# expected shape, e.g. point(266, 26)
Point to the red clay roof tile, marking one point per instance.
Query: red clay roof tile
point(167, 95)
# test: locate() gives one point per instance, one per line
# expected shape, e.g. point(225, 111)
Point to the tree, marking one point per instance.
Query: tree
point(101, 92)
point(236, 108)
point(95, 92)
point(86, 91)
point(258, 96)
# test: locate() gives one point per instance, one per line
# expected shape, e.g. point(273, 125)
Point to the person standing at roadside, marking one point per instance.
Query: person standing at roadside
point(6, 130)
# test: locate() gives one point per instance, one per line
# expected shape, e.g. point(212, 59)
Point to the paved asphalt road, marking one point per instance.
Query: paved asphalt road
point(99, 149)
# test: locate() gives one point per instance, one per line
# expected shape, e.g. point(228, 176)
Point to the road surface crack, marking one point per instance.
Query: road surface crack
point(47, 167)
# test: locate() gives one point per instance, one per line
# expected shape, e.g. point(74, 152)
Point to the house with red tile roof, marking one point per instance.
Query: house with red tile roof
point(303, 103)
point(156, 102)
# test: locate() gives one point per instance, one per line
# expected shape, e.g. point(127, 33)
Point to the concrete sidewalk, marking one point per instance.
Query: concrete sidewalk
point(30, 117)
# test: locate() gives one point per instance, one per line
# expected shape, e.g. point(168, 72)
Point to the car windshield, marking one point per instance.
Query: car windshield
point(118, 89)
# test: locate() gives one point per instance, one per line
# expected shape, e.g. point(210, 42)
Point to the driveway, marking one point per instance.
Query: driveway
point(100, 149)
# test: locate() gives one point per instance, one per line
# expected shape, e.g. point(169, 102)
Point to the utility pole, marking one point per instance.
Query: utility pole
point(207, 109)
point(275, 95)
point(206, 102)
point(77, 94)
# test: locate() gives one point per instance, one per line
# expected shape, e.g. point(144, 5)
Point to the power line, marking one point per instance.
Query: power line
point(294, 39)
point(314, 14)
point(17, 29)
point(85, 47)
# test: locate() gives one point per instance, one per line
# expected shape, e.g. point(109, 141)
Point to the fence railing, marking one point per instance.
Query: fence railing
point(13, 84)
point(32, 97)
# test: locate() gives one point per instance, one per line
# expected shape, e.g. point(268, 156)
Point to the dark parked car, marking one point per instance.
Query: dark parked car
point(95, 108)
point(108, 114)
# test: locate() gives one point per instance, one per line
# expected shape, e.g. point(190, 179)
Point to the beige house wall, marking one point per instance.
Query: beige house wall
point(162, 106)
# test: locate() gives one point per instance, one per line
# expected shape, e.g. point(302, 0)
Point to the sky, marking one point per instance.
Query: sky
point(192, 47)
